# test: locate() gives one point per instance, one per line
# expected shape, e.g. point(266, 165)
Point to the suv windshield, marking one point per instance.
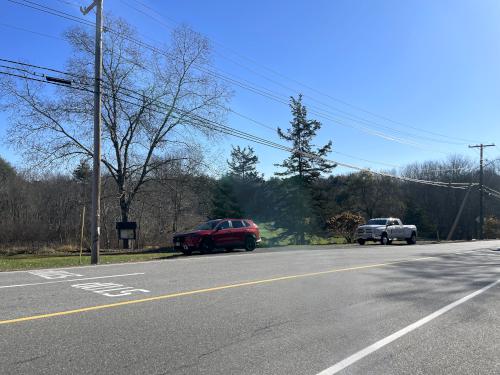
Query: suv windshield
point(377, 222)
point(208, 225)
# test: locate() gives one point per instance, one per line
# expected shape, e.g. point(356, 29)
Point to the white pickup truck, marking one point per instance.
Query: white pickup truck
point(385, 230)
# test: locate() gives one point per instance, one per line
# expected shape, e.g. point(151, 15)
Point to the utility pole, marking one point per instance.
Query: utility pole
point(481, 187)
point(96, 175)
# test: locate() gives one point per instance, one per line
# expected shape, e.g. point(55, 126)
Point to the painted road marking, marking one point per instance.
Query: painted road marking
point(53, 274)
point(109, 289)
point(207, 290)
point(71, 280)
point(219, 256)
point(396, 335)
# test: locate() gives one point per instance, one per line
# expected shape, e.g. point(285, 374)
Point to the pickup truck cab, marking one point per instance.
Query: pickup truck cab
point(386, 230)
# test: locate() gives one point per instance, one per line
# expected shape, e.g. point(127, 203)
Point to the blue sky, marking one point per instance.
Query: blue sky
point(424, 66)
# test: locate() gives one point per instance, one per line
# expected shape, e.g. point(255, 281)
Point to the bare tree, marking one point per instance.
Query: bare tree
point(154, 106)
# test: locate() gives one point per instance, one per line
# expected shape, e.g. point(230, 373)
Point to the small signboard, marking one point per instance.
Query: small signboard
point(126, 231)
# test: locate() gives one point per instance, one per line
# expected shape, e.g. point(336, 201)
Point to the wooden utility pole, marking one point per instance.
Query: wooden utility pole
point(96, 173)
point(481, 187)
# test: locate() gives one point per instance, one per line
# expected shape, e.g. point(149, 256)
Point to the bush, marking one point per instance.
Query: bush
point(345, 225)
point(491, 227)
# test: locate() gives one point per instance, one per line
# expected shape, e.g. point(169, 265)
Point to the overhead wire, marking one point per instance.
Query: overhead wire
point(245, 85)
point(344, 115)
point(492, 190)
point(159, 18)
point(30, 31)
point(213, 125)
point(82, 79)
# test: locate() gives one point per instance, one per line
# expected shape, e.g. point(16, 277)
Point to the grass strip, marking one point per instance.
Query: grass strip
point(26, 261)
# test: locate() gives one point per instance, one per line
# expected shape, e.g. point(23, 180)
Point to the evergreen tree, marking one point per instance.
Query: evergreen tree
point(6, 170)
point(245, 181)
point(302, 170)
point(82, 172)
point(224, 201)
point(293, 208)
point(243, 163)
point(301, 135)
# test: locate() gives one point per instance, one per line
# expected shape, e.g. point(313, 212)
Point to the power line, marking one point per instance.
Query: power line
point(348, 116)
point(30, 31)
point(470, 169)
point(83, 79)
point(244, 116)
point(289, 78)
point(213, 125)
point(492, 190)
point(54, 12)
point(259, 140)
point(267, 94)
point(245, 85)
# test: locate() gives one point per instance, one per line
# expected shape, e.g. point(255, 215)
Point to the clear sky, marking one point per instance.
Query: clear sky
point(425, 66)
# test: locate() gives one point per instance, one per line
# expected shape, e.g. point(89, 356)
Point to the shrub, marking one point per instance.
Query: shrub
point(345, 225)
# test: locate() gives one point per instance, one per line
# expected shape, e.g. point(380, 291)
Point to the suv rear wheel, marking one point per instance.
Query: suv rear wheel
point(250, 243)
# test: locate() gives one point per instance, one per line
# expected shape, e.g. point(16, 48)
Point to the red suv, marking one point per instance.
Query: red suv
point(227, 234)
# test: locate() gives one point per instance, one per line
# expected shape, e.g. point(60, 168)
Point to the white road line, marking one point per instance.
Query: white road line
point(67, 281)
point(232, 255)
point(385, 341)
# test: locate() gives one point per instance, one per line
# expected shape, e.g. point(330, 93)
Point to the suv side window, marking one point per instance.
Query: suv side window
point(224, 225)
point(237, 224)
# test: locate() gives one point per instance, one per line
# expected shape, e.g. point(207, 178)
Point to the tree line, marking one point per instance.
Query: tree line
point(302, 200)
point(46, 211)
point(159, 111)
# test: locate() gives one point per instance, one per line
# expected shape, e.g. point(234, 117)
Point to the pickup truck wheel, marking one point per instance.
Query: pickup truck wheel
point(361, 241)
point(250, 243)
point(384, 240)
point(229, 249)
point(206, 246)
point(412, 240)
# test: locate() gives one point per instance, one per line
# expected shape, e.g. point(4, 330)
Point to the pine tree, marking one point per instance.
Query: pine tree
point(302, 171)
point(82, 172)
point(243, 163)
point(6, 170)
point(301, 135)
point(224, 202)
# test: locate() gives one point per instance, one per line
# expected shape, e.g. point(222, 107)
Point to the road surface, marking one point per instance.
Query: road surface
point(425, 309)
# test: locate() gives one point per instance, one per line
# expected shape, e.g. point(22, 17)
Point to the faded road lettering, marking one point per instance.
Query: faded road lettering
point(109, 289)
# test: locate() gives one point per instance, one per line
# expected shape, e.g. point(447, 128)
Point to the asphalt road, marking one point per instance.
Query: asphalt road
point(425, 309)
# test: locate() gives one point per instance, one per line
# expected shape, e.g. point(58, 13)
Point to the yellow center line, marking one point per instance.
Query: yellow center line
point(200, 291)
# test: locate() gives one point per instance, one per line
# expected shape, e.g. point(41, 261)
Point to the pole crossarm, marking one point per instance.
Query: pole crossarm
point(86, 10)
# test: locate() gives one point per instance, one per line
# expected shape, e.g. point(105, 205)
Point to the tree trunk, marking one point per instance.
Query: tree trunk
point(302, 237)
